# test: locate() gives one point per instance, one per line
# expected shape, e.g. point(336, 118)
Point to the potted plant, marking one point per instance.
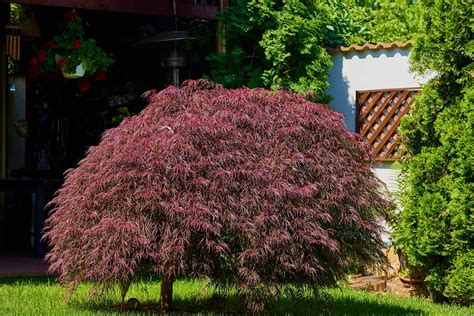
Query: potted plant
point(73, 55)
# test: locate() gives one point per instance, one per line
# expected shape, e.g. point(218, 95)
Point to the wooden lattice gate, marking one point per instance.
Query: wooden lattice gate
point(378, 116)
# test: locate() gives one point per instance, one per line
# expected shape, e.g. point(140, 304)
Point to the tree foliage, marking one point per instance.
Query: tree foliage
point(436, 227)
point(278, 44)
point(275, 44)
point(384, 20)
point(249, 188)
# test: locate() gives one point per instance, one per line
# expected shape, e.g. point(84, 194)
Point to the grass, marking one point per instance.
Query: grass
point(43, 296)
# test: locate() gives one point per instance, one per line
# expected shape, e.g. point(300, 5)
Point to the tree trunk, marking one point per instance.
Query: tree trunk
point(166, 295)
point(124, 286)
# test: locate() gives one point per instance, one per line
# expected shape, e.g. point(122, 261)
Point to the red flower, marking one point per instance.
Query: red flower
point(33, 61)
point(50, 45)
point(61, 62)
point(52, 75)
point(76, 44)
point(83, 85)
point(33, 71)
point(71, 15)
point(99, 75)
point(42, 56)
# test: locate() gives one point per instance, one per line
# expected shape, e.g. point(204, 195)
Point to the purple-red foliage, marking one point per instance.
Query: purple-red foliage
point(244, 186)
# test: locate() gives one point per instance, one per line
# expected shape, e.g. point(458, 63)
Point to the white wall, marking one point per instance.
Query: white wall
point(388, 173)
point(368, 70)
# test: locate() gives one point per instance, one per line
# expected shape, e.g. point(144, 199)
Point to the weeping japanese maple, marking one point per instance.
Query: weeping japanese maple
point(247, 187)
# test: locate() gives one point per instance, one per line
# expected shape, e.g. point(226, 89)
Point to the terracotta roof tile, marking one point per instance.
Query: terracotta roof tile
point(368, 46)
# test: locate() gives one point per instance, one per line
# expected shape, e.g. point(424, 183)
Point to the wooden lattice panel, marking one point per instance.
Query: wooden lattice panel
point(379, 113)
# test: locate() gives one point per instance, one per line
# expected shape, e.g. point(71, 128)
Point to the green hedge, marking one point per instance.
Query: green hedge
point(436, 227)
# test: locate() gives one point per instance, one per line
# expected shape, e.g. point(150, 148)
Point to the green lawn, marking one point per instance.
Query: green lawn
point(42, 296)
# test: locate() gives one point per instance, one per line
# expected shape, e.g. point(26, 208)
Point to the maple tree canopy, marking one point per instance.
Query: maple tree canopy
point(245, 186)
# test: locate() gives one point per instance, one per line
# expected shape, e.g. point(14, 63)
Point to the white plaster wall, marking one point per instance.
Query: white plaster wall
point(371, 70)
point(368, 70)
point(389, 174)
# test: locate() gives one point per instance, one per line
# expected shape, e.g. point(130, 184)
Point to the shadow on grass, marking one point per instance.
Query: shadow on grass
point(345, 305)
point(35, 280)
point(232, 305)
point(215, 305)
point(224, 304)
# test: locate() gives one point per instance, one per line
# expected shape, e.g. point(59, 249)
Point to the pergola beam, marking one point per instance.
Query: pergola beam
point(184, 9)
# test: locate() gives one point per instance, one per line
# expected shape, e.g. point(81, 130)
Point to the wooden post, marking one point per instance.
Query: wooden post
point(166, 295)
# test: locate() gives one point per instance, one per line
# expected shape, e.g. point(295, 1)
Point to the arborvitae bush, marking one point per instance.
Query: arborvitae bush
point(436, 227)
point(250, 188)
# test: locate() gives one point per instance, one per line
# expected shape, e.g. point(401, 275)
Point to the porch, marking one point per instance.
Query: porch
point(47, 124)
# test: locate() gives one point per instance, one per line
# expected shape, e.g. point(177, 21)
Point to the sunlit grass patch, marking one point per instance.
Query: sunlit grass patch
point(43, 296)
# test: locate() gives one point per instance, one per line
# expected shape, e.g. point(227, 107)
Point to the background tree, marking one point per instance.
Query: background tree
point(436, 227)
point(249, 188)
point(383, 20)
point(275, 44)
point(278, 44)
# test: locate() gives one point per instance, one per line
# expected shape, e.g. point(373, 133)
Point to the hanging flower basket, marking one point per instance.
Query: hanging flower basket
point(79, 72)
point(72, 55)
